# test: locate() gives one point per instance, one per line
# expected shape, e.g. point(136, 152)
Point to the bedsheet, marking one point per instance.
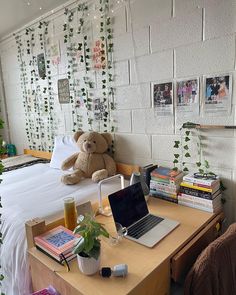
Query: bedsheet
point(30, 192)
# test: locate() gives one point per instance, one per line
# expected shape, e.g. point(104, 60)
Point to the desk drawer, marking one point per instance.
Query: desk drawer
point(185, 258)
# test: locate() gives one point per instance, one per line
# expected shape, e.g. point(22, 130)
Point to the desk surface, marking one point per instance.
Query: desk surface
point(142, 261)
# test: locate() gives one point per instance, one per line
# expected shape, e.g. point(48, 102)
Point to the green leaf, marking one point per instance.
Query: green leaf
point(187, 139)
point(187, 155)
point(176, 156)
point(186, 147)
point(201, 171)
point(175, 168)
point(198, 164)
point(206, 164)
point(176, 145)
point(223, 200)
point(185, 169)
point(175, 161)
point(222, 187)
point(187, 132)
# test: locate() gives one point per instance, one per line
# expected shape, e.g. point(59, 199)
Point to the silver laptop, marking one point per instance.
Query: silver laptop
point(129, 208)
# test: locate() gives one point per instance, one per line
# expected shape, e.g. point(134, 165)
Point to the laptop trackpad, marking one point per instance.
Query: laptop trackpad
point(157, 233)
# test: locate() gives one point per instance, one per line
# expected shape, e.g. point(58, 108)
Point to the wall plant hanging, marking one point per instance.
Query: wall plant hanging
point(182, 149)
point(87, 39)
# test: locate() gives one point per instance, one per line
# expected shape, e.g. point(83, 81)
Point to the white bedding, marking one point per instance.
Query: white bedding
point(30, 192)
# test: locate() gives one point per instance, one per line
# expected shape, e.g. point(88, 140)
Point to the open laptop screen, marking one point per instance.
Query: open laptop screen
point(128, 205)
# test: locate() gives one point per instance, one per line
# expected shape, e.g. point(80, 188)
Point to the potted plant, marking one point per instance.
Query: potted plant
point(88, 246)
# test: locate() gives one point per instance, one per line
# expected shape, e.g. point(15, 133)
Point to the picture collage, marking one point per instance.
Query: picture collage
point(185, 95)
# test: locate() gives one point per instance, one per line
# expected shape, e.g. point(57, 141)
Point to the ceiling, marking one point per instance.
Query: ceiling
point(16, 13)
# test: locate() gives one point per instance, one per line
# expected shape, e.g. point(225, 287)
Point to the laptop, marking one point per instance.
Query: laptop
point(129, 208)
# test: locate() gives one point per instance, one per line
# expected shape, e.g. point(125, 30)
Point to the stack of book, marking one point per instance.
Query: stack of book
point(200, 193)
point(57, 243)
point(165, 183)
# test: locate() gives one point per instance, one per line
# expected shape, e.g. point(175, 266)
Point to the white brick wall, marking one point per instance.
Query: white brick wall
point(209, 57)
point(177, 31)
point(156, 41)
point(152, 67)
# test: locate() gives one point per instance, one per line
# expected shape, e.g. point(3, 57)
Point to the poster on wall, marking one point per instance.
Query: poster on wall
point(217, 94)
point(99, 109)
point(187, 96)
point(63, 91)
point(99, 59)
point(55, 53)
point(41, 65)
point(163, 98)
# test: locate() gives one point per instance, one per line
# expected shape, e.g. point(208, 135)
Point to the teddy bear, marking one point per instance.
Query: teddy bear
point(92, 160)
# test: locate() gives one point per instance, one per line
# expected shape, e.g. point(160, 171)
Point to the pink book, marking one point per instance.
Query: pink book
point(58, 240)
point(47, 291)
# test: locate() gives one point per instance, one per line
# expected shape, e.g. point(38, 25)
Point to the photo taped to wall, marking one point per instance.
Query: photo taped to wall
point(217, 93)
point(163, 98)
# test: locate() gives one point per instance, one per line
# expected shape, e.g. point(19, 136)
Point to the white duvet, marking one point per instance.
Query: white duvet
point(30, 192)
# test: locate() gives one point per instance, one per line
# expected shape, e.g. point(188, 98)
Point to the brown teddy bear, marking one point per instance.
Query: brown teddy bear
point(91, 161)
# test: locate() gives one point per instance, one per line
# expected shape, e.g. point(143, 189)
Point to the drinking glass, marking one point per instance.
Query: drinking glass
point(116, 233)
point(70, 213)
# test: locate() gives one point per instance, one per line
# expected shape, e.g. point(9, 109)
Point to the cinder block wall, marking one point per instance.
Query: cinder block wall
point(156, 41)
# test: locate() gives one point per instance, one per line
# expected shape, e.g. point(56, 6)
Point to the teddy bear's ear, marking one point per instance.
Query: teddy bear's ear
point(77, 135)
point(108, 137)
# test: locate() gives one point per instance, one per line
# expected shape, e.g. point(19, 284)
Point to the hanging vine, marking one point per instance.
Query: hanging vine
point(89, 71)
point(97, 58)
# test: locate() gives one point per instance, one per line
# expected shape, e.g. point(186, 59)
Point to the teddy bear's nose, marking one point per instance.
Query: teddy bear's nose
point(88, 145)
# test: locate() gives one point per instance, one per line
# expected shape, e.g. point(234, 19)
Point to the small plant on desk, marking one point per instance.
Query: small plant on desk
point(88, 247)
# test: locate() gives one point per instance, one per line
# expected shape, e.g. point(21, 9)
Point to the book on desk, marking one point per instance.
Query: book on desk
point(57, 243)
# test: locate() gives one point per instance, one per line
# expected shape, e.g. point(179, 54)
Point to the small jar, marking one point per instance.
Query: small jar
point(70, 214)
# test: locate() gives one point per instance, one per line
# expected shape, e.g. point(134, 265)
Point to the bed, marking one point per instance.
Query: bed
point(36, 191)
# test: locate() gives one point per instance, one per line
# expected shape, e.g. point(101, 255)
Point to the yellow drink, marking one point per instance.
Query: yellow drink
point(70, 214)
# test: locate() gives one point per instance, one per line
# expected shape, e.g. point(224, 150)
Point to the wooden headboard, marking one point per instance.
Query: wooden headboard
point(125, 169)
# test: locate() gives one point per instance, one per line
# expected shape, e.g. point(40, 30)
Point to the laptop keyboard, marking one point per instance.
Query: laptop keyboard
point(143, 226)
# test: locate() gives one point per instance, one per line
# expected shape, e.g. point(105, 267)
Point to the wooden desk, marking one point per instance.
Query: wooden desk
point(149, 269)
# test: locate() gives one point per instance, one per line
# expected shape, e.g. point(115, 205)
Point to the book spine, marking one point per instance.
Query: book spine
point(199, 180)
point(200, 201)
point(191, 185)
point(175, 181)
point(165, 194)
point(54, 251)
point(165, 184)
point(55, 257)
point(196, 193)
point(62, 250)
point(198, 185)
point(210, 210)
point(173, 200)
point(163, 188)
point(192, 205)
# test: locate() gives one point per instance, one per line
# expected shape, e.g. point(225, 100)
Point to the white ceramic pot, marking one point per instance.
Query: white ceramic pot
point(88, 265)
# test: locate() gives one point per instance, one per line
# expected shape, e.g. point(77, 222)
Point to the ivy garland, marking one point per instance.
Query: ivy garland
point(38, 99)
point(180, 158)
point(85, 88)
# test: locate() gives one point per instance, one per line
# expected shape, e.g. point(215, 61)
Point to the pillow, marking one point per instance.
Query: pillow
point(64, 147)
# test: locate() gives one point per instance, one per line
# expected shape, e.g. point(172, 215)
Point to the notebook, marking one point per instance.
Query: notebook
point(129, 208)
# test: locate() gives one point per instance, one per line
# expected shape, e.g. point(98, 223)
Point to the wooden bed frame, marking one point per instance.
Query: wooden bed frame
point(125, 169)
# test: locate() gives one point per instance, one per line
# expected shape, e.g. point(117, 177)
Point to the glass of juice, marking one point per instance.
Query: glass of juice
point(70, 214)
